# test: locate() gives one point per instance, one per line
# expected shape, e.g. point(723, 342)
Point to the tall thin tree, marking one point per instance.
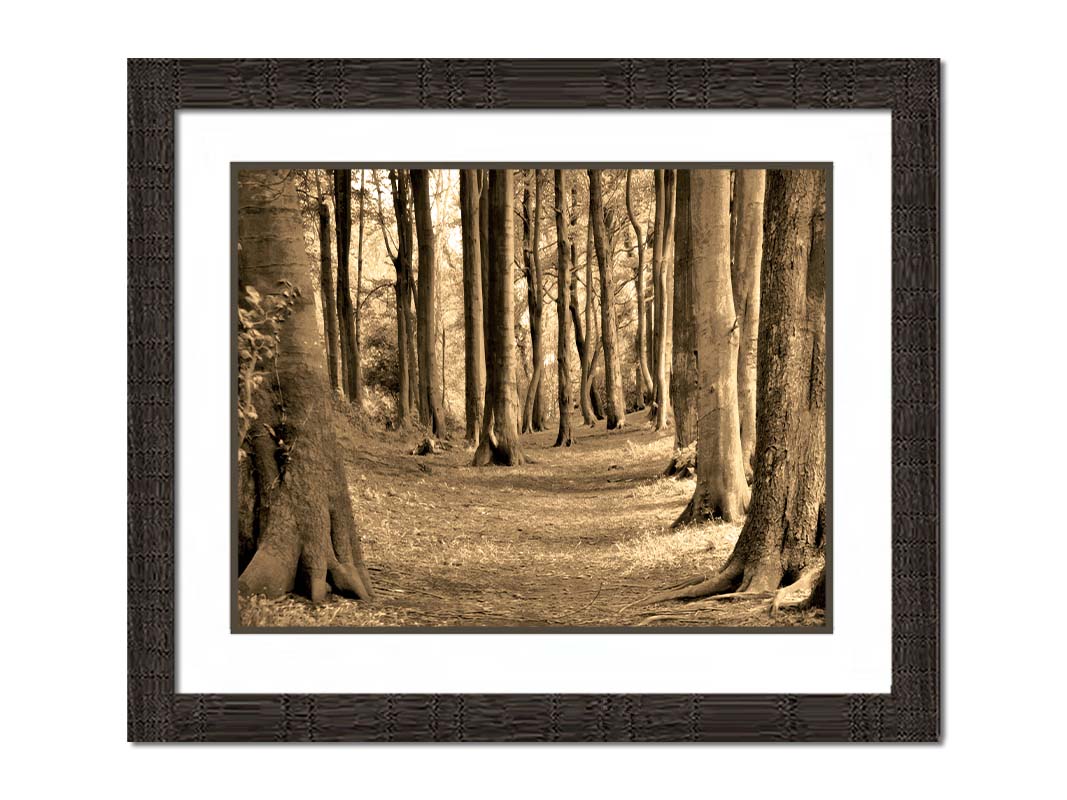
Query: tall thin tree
point(327, 289)
point(749, 187)
point(660, 373)
point(430, 386)
point(401, 258)
point(342, 210)
point(533, 407)
point(563, 334)
point(405, 236)
point(616, 405)
point(357, 360)
point(644, 377)
point(721, 489)
point(499, 441)
point(473, 333)
point(684, 377)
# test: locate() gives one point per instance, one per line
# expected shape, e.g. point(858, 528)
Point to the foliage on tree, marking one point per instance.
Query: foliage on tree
point(301, 532)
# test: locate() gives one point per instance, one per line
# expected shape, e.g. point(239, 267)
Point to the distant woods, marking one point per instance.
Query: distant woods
point(694, 296)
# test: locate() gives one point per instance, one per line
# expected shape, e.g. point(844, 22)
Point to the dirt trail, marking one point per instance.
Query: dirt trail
point(566, 540)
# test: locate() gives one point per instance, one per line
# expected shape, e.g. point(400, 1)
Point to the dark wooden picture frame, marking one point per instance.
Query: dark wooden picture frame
point(910, 89)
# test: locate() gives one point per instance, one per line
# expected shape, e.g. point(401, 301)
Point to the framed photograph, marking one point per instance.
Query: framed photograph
point(575, 400)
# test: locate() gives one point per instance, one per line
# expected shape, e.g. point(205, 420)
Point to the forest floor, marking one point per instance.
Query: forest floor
point(566, 540)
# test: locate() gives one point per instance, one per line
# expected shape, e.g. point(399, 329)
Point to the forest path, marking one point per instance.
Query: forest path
point(567, 539)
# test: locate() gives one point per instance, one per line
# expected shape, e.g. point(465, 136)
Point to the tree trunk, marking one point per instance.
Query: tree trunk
point(644, 377)
point(563, 301)
point(357, 360)
point(747, 248)
point(661, 402)
point(403, 406)
point(721, 490)
point(533, 408)
point(671, 185)
point(408, 361)
point(483, 242)
point(592, 337)
point(473, 334)
point(684, 376)
point(616, 403)
point(329, 300)
point(499, 441)
point(584, 340)
point(581, 342)
point(782, 543)
point(342, 210)
point(430, 384)
point(305, 533)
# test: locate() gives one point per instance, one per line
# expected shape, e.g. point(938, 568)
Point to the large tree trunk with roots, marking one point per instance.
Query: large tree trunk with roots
point(644, 376)
point(747, 252)
point(721, 490)
point(329, 299)
point(684, 377)
point(533, 415)
point(782, 543)
point(303, 529)
point(473, 334)
point(430, 385)
point(563, 272)
point(499, 441)
point(616, 403)
point(342, 210)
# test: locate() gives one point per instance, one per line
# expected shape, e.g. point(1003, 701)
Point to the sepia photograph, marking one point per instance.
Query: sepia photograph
point(531, 397)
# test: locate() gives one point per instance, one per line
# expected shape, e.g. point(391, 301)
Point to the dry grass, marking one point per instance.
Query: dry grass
point(706, 546)
point(568, 539)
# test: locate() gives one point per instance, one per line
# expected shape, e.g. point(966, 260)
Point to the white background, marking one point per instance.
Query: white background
point(63, 340)
point(855, 659)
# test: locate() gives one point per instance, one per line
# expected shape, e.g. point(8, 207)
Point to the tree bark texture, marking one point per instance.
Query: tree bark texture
point(644, 376)
point(357, 359)
point(563, 273)
point(684, 377)
point(430, 385)
point(783, 541)
point(721, 490)
point(749, 187)
point(784, 536)
point(342, 210)
point(533, 407)
point(660, 372)
point(407, 358)
point(304, 530)
point(329, 300)
point(616, 403)
point(499, 441)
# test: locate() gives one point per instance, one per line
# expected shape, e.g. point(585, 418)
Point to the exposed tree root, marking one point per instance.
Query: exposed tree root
point(490, 453)
point(683, 463)
point(807, 590)
point(694, 608)
point(723, 581)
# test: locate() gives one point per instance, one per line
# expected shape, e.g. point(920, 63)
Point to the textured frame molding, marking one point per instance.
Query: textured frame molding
point(156, 89)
